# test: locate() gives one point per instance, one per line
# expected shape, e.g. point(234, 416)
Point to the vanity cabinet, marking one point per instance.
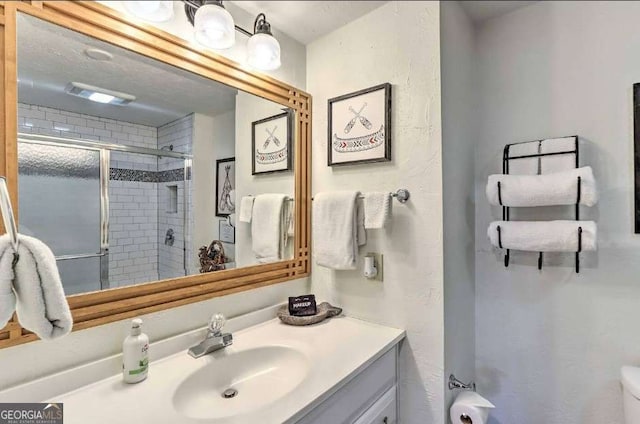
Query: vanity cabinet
point(368, 398)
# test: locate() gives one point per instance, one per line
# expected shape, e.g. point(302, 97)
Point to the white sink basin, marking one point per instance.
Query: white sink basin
point(281, 373)
point(258, 377)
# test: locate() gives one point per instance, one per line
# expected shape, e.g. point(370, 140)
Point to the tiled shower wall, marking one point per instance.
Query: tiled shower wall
point(136, 189)
point(178, 133)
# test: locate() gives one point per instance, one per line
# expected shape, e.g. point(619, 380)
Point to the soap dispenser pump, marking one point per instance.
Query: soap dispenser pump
point(135, 351)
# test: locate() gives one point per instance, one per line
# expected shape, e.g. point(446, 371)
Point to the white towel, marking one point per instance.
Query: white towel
point(41, 304)
point(338, 229)
point(377, 208)
point(560, 188)
point(268, 227)
point(7, 297)
point(543, 236)
point(246, 209)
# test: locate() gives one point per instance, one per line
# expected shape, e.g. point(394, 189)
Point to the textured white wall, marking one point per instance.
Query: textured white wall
point(22, 363)
point(458, 149)
point(397, 43)
point(550, 343)
point(250, 108)
point(213, 138)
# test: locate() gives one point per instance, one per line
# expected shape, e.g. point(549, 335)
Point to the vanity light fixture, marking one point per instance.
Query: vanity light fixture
point(97, 94)
point(214, 28)
point(153, 11)
point(263, 50)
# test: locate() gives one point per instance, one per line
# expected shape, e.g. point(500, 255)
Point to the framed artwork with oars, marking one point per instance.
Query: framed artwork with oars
point(359, 129)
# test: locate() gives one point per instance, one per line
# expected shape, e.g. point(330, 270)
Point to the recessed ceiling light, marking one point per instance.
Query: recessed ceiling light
point(101, 97)
point(97, 54)
point(97, 94)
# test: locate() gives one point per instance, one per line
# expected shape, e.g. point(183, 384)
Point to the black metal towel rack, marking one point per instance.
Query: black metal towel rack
point(505, 170)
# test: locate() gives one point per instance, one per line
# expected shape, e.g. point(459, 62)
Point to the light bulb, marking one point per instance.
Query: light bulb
point(263, 52)
point(101, 97)
point(153, 11)
point(214, 27)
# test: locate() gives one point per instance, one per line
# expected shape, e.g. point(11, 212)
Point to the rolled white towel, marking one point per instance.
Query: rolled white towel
point(560, 188)
point(543, 236)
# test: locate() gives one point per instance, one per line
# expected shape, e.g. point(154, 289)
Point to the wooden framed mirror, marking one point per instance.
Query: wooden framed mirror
point(205, 75)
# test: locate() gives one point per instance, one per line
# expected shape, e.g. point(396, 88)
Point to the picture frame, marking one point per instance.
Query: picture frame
point(359, 127)
point(636, 156)
point(226, 232)
point(271, 144)
point(225, 183)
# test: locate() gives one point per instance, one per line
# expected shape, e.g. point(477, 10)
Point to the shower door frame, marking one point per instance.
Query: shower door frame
point(104, 150)
point(103, 185)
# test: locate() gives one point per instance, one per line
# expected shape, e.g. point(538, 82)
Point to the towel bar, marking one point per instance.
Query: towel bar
point(402, 195)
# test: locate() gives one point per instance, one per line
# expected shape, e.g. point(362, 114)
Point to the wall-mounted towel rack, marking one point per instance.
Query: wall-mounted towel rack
point(8, 218)
point(506, 158)
point(402, 195)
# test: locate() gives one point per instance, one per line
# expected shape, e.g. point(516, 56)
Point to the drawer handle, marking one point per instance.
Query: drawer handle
point(385, 420)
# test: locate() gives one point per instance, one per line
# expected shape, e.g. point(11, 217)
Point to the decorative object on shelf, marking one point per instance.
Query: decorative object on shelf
point(359, 129)
point(212, 258)
point(557, 153)
point(227, 232)
point(324, 311)
point(225, 184)
point(302, 306)
point(215, 28)
point(271, 144)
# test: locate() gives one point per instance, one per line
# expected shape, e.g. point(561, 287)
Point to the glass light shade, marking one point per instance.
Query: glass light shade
point(263, 52)
point(214, 27)
point(153, 11)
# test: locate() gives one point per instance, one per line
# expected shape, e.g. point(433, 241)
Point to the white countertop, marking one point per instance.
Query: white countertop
point(337, 350)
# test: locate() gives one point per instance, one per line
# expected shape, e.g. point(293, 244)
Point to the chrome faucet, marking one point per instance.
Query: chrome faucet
point(215, 339)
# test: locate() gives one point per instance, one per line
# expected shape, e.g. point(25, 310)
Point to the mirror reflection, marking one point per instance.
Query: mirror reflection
point(133, 171)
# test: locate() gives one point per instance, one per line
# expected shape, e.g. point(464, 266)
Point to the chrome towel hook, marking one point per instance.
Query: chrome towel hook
point(8, 218)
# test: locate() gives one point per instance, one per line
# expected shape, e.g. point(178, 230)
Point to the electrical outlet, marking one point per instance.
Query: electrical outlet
point(378, 260)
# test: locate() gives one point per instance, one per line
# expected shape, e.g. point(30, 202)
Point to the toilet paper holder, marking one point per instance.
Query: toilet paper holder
point(454, 384)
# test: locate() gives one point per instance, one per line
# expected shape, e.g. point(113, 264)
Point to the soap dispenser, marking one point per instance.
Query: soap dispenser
point(135, 350)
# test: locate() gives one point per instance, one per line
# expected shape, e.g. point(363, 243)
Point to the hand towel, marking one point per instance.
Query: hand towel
point(377, 208)
point(246, 209)
point(7, 296)
point(543, 236)
point(560, 188)
point(338, 228)
point(41, 304)
point(267, 227)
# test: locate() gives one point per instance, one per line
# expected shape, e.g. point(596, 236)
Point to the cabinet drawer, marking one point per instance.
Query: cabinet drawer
point(383, 411)
point(349, 402)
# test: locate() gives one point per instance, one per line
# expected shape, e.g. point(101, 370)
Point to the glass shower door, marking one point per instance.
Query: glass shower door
point(59, 190)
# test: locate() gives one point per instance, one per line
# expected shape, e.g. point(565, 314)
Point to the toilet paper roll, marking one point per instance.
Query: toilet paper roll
point(470, 408)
